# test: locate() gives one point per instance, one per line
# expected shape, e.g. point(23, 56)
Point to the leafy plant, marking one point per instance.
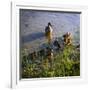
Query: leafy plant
point(65, 63)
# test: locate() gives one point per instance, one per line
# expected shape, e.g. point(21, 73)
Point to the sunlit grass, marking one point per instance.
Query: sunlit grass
point(65, 63)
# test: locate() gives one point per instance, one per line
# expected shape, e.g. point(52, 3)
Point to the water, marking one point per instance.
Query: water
point(33, 23)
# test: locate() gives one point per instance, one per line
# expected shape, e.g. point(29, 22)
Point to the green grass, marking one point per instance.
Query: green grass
point(65, 63)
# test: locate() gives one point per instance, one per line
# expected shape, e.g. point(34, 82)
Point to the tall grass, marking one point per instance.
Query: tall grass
point(64, 63)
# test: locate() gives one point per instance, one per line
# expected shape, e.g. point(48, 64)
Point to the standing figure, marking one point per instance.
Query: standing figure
point(49, 33)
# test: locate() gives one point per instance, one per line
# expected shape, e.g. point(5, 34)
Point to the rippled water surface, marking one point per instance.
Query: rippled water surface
point(33, 23)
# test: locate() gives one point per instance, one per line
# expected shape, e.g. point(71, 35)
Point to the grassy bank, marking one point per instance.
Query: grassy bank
point(64, 63)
